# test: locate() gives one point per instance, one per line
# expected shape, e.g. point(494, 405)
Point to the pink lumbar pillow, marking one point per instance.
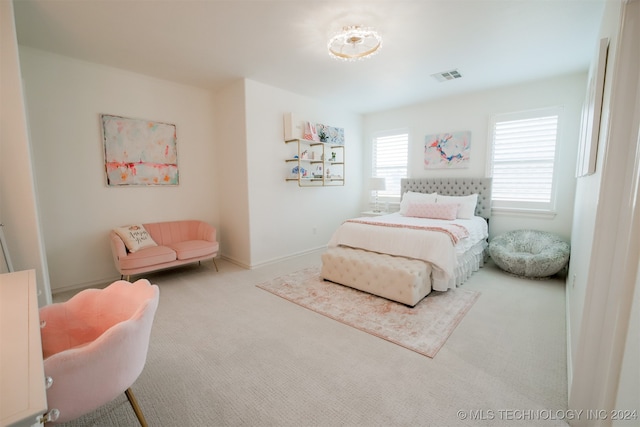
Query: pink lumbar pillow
point(447, 211)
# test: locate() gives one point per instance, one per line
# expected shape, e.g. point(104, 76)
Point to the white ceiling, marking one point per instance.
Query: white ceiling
point(283, 43)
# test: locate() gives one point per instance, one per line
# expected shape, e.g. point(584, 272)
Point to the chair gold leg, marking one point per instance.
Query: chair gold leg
point(136, 408)
point(214, 263)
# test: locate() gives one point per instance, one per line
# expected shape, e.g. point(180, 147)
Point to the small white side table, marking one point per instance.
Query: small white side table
point(373, 213)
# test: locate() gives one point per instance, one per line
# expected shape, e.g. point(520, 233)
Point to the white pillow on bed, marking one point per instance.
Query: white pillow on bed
point(446, 211)
point(413, 197)
point(466, 204)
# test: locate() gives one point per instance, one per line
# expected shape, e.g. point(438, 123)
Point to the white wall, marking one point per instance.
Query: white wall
point(230, 153)
point(472, 112)
point(628, 393)
point(286, 219)
point(18, 206)
point(231, 171)
point(263, 217)
point(586, 200)
point(601, 297)
point(64, 98)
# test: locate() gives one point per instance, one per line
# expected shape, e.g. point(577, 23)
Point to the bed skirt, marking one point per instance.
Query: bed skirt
point(468, 262)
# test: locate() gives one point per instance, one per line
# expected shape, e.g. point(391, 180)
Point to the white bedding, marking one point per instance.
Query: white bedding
point(434, 247)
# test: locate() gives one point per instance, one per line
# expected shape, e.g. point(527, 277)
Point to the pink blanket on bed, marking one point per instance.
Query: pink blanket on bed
point(454, 231)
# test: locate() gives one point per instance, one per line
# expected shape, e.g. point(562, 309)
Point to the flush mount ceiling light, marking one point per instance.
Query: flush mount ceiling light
point(354, 43)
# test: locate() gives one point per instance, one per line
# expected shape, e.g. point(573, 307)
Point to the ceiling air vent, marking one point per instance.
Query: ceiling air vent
point(447, 75)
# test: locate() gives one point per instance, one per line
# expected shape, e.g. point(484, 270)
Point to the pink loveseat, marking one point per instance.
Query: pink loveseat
point(178, 243)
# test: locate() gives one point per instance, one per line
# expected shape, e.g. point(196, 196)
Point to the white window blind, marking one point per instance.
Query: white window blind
point(390, 151)
point(523, 159)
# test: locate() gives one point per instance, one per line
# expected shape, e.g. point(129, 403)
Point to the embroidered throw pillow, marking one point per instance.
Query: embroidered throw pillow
point(467, 204)
point(135, 237)
point(447, 211)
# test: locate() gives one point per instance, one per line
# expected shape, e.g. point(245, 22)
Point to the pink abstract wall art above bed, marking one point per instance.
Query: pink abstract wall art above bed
point(139, 152)
point(447, 150)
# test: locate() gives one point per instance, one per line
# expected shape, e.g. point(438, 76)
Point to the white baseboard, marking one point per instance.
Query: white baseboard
point(273, 260)
point(85, 285)
point(106, 281)
point(568, 327)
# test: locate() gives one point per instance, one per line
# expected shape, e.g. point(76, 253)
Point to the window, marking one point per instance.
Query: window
point(523, 159)
point(390, 151)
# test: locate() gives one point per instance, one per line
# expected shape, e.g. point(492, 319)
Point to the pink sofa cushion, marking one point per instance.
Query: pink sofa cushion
point(194, 248)
point(149, 256)
point(166, 233)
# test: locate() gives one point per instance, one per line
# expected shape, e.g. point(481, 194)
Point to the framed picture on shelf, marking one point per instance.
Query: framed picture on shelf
point(330, 134)
point(310, 132)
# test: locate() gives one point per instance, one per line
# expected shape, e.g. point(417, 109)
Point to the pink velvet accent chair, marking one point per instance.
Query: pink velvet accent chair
point(95, 346)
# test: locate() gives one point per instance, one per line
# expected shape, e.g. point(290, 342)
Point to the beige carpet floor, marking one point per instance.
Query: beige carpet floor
point(423, 328)
point(226, 353)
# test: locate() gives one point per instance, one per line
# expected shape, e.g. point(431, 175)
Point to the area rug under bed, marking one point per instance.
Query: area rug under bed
point(423, 328)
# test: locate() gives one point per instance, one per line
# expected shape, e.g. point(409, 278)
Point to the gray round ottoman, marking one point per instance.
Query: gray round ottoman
point(529, 253)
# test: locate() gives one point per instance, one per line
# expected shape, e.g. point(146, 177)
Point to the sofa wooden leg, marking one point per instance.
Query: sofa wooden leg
point(214, 263)
point(136, 408)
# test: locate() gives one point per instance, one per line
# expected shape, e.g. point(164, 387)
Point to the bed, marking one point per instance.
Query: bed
point(436, 241)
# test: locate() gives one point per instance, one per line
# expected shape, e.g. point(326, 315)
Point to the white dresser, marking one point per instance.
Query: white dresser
point(23, 397)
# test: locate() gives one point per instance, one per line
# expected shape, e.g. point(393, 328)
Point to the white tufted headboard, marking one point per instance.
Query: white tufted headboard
point(454, 187)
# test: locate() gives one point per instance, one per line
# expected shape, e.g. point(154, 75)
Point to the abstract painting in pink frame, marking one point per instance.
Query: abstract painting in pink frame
point(139, 152)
